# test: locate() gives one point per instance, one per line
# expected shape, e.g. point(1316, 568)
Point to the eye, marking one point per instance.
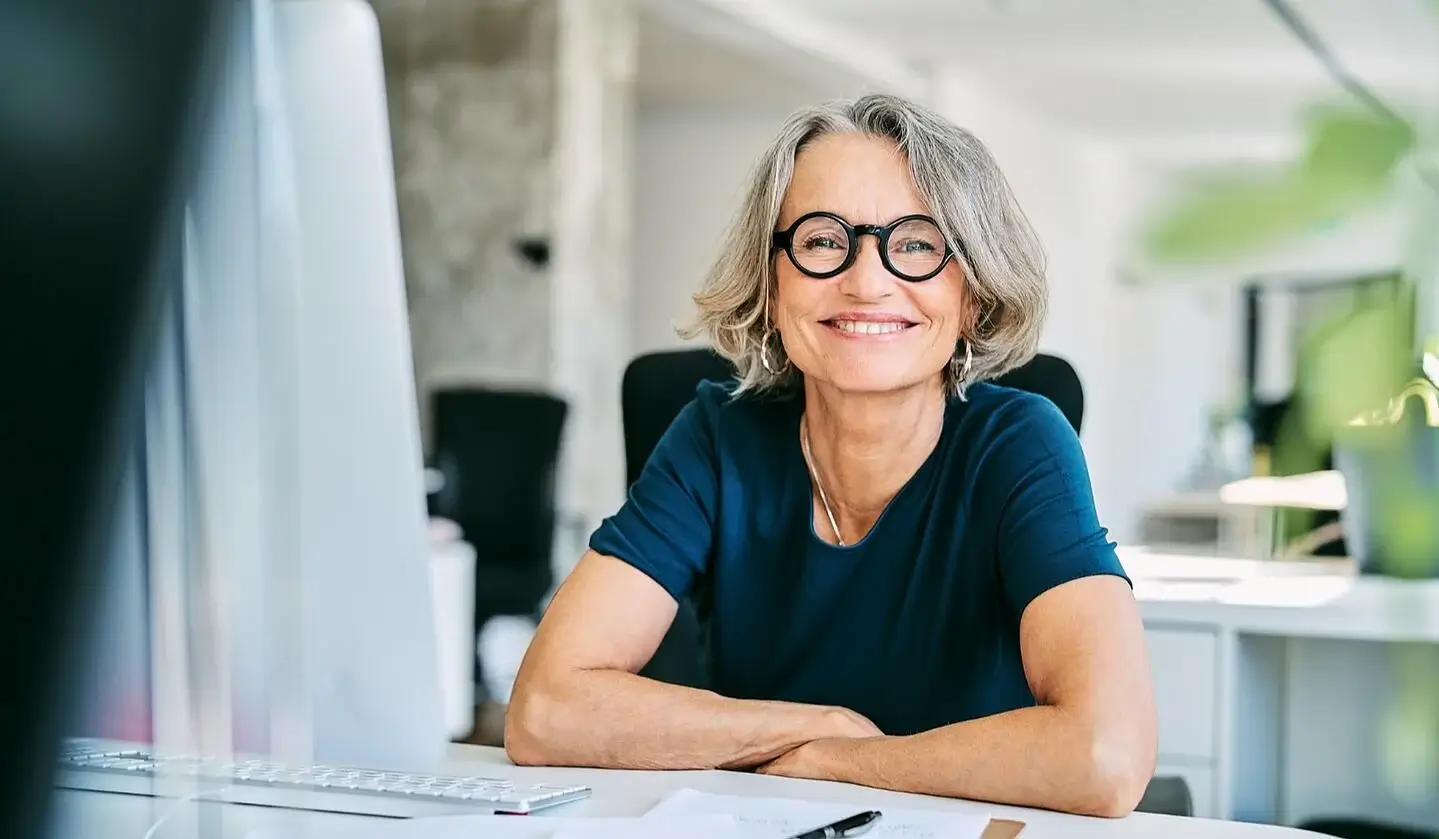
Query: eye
point(916, 238)
point(823, 241)
point(821, 235)
point(915, 246)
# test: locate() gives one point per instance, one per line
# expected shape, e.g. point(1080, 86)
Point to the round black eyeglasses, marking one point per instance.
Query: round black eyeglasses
point(823, 245)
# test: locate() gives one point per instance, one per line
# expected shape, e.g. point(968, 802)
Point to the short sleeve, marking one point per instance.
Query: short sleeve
point(666, 526)
point(1048, 529)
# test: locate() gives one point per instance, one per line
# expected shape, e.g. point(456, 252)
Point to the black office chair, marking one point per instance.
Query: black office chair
point(655, 388)
point(498, 451)
point(658, 385)
point(1053, 378)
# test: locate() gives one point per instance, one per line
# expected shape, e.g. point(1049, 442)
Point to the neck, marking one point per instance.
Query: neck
point(865, 447)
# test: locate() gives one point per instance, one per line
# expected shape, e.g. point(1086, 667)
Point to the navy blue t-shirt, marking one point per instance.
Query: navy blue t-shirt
point(917, 625)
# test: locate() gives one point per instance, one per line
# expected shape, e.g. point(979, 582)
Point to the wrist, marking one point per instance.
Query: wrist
point(786, 726)
point(833, 758)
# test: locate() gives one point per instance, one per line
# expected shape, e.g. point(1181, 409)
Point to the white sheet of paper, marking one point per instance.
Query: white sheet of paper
point(703, 826)
point(780, 818)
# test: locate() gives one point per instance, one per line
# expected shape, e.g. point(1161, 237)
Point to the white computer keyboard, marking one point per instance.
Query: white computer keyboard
point(87, 766)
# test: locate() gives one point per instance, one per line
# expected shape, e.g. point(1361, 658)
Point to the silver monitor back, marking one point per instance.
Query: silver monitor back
point(278, 557)
point(372, 674)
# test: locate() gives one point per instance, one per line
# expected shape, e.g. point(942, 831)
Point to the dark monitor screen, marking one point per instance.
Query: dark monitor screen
point(95, 125)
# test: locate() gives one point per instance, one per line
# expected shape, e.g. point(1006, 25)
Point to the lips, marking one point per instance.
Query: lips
point(866, 326)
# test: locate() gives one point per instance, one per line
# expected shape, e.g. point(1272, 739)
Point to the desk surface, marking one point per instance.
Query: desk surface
point(624, 794)
point(1307, 599)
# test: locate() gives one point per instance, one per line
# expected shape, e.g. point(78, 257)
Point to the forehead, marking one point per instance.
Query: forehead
point(861, 177)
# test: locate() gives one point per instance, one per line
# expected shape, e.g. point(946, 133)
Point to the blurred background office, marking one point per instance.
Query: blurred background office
point(1234, 196)
point(565, 170)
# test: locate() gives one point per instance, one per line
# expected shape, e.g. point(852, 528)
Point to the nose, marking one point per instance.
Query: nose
point(867, 278)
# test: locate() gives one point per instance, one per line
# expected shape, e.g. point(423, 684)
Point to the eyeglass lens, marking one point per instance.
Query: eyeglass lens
point(915, 247)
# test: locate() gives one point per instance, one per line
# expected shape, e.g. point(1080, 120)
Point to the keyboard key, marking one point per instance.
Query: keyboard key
point(500, 793)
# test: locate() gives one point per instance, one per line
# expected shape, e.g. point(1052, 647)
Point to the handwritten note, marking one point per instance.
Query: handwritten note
point(779, 818)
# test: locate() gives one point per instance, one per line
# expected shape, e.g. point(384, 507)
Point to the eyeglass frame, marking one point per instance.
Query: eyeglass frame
point(784, 240)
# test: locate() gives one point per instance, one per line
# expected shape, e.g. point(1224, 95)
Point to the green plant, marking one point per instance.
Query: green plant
point(1355, 159)
point(1348, 166)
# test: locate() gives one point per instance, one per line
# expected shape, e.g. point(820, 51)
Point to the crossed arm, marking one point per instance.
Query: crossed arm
point(1088, 746)
point(578, 702)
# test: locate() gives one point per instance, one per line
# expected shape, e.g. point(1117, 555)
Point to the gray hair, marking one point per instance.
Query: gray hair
point(968, 197)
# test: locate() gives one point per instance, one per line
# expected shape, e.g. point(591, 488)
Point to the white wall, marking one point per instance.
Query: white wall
point(1154, 361)
point(1158, 349)
point(690, 166)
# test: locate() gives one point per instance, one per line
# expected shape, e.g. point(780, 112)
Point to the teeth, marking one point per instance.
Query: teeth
point(864, 327)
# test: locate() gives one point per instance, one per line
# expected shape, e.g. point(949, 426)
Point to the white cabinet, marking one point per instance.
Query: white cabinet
point(1185, 663)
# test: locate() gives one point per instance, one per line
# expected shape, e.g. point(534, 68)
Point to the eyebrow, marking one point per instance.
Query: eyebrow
point(784, 223)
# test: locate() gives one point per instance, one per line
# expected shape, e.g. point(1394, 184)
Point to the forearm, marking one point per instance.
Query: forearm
point(614, 719)
point(1034, 757)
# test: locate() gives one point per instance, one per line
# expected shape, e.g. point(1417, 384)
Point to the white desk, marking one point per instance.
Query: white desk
point(87, 815)
point(1273, 681)
point(1199, 519)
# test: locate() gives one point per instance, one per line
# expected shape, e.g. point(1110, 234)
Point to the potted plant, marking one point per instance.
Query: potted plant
point(1353, 388)
point(1373, 388)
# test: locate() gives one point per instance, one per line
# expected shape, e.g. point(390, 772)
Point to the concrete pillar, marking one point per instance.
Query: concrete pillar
point(512, 122)
point(593, 263)
point(472, 94)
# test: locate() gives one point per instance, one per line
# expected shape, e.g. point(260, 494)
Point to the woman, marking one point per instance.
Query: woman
point(907, 584)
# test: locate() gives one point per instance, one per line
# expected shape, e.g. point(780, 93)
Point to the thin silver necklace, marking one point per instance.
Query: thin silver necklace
point(818, 484)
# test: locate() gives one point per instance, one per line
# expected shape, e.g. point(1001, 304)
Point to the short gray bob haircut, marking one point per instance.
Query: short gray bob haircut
point(967, 195)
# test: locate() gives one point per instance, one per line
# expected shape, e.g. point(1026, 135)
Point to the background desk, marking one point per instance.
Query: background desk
point(88, 815)
point(1273, 682)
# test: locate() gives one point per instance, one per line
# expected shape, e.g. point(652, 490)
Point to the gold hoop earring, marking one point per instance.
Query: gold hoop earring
point(764, 356)
point(961, 371)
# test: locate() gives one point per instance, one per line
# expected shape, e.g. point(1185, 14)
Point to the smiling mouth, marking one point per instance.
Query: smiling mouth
point(868, 327)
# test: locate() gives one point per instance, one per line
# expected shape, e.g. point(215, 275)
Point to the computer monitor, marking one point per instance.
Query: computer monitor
point(91, 124)
point(271, 592)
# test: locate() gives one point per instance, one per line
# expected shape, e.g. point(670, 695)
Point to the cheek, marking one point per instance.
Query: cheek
point(795, 294)
point(947, 304)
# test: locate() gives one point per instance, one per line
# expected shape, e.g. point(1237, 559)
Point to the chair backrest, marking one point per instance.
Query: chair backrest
point(1167, 795)
point(1053, 378)
point(655, 388)
point(658, 384)
point(498, 451)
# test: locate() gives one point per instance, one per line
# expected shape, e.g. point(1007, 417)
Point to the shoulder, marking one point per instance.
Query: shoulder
point(1030, 489)
point(705, 411)
point(1001, 417)
point(1001, 435)
point(720, 427)
point(728, 414)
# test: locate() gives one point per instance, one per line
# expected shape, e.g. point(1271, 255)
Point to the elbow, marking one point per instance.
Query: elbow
point(1117, 774)
point(1114, 795)
point(529, 723)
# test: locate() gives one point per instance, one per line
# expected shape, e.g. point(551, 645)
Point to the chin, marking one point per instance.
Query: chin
point(873, 381)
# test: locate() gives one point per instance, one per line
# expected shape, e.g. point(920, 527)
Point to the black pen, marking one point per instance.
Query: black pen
point(850, 826)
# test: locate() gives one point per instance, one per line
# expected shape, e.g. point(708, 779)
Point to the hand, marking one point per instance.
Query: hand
point(819, 760)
